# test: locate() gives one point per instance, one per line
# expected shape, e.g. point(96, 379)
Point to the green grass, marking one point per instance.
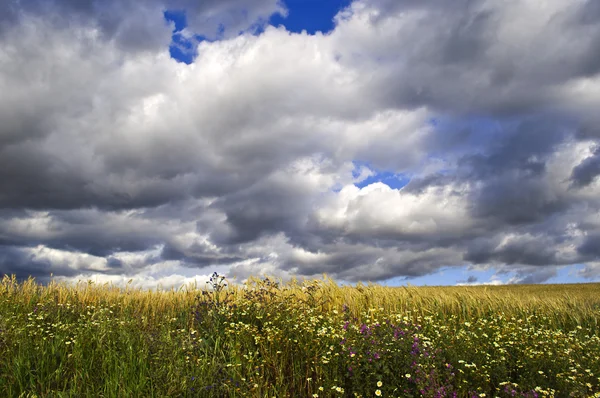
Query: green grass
point(267, 339)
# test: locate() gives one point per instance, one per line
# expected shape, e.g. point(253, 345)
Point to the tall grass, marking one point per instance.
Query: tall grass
point(299, 339)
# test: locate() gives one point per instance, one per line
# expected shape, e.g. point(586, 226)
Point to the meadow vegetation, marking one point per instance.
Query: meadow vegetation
point(299, 339)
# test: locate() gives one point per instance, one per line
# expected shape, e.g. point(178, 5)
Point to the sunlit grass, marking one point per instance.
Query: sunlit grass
point(300, 339)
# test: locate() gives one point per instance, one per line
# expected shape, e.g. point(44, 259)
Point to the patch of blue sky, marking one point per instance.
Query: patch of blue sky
point(389, 178)
point(182, 48)
point(446, 276)
point(309, 15)
point(466, 275)
point(450, 276)
point(569, 274)
point(392, 180)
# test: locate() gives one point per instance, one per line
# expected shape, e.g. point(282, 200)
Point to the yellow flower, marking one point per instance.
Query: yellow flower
point(379, 384)
point(378, 393)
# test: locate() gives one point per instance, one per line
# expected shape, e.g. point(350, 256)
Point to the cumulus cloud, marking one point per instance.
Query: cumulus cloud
point(473, 57)
point(118, 161)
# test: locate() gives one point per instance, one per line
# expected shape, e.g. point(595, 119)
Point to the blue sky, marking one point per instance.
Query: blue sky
point(309, 15)
point(460, 275)
point(181, 49)
point(371, 140)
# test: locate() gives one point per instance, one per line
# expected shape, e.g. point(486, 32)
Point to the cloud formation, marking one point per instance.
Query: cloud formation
point(117, 161)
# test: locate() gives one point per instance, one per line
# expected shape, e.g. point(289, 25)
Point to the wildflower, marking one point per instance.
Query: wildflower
point(379, 383)
point(378, 393)
point(407, 375)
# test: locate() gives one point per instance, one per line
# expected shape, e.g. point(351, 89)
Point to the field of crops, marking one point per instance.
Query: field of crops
point(299, 339)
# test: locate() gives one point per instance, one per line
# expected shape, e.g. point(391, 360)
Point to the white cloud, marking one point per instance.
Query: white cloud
point(146, 282)
point(66, 259)
point(380, 210)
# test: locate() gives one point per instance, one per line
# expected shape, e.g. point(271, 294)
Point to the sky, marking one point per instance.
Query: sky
point(392, 141)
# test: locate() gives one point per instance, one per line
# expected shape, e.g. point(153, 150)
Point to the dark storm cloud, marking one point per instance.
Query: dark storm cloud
point(587, 170)
point(419, 183)
point(133, 27)
point(88, 231)
point(522, 145)
point(33, 178)
point(508, 166)
point(137, 26)
point(528, 275)
point(514, 199)
point(197, 255)
point(267, 207)
point(590, 248)
point(16, 260)
point(114, 263)
point(533, 250)
point(28, 177)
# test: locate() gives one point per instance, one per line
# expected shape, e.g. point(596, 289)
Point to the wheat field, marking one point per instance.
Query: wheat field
point(265, 338)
